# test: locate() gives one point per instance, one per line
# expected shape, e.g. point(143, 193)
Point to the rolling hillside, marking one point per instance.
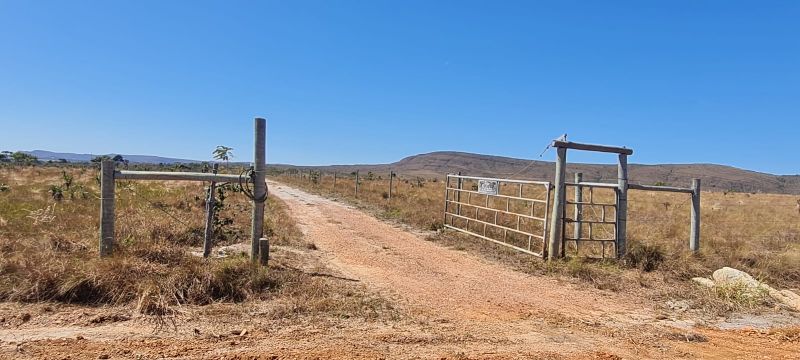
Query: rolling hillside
point(715, 177)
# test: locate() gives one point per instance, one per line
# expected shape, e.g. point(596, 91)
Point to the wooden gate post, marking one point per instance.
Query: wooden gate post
point(259, 185)
point(356, 183)
point(694, 236)
point(622, 206)
point(559, 197)
point(391, 182)
point(107, 188)
point(578, 207)
point(211, 200)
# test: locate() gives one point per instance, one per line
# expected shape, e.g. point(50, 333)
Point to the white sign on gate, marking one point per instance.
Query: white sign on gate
point(488, 187)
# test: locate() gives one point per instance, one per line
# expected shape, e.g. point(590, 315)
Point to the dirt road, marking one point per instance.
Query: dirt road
point(530, 315)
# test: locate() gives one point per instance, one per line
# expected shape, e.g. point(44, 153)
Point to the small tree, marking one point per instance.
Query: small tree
point(223, 153)
point(118, 158)
point(101, 158)
point(24, 158)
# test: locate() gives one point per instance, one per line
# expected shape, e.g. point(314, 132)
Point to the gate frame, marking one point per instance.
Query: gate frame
point(560, 194)
point(109, 175)
point(457, 201)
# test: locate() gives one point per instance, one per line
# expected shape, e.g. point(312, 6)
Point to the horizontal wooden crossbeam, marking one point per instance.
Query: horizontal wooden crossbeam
point(591, 147)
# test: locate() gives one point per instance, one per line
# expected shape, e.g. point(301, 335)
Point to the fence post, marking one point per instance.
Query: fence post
point(208, 239)
point(107, 189)
point(622, 206)
point(263, 252)
point(578, 208)
point(356, 183)
point(559, 196)
point(694, 236)
point(334, 181)
point(391, 182)
point(259, 185)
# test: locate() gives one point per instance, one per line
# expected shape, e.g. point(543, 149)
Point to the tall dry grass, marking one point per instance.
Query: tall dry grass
point(48, 250)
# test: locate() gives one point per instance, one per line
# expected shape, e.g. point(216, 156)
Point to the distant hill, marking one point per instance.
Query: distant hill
point(715, 177)
point(137, 159)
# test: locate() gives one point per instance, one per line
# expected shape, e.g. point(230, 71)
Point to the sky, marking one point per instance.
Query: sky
point(345, 82)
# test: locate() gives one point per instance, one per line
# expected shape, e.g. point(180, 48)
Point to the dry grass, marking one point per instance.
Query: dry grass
point(48, 250)
point(757, 233)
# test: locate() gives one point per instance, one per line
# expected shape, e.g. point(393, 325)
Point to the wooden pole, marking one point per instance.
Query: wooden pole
point(263, 252)
point(694, 236)
point(578, 208)
point(334, 181)
point(391, 182)
point(559, 197)
point(107, 189)
point(356, 183)
point(211, 200)
point(622, 206)
point(259, 186)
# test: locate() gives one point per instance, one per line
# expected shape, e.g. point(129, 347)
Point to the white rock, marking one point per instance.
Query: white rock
point(731, 276)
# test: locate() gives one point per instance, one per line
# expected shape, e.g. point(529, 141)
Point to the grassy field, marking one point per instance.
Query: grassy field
point(49, 240)
point(757, 233)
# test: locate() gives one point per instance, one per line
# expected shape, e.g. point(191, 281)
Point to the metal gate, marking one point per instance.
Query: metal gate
point(590, 223)
point(508, 212)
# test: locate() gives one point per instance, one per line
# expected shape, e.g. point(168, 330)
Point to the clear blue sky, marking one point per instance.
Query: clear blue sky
point(375, 81)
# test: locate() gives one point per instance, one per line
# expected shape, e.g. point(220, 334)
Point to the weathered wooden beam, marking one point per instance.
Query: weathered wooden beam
point(659, 188)
point(259, 185)
point(177, 176)
point(591, 147)
point(107, 189)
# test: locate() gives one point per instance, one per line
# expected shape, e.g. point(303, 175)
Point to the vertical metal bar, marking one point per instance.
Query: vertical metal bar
point(546, 214)
point(460, 184)
point(259, 185)
point(446, 198)
point(554, 245)
point(578, 206)
point(694, 235)
point(107, 189)
point(622, 206)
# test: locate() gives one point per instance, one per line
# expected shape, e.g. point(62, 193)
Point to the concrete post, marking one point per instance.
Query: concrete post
point(694, 236)
point(622, 206)
point(559, 197)
point(259, 185)
point(107, 189)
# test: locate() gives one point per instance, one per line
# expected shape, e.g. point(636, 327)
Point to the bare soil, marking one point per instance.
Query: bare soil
point(450, 304)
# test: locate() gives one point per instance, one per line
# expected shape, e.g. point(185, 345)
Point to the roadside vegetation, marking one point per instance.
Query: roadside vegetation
point(756, 233)
point(49, 238)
